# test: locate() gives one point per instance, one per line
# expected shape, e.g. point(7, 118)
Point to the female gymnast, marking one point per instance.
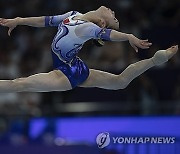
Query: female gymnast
point(74, 29)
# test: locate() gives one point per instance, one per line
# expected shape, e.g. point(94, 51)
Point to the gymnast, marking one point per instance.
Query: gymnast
point(69, 71)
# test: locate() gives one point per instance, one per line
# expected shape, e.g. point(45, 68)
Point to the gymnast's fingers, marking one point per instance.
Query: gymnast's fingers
point(9, 31)
point(146, 44)
point(135, 48)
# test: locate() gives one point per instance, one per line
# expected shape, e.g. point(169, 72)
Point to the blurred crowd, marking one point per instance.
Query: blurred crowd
point(28, 51)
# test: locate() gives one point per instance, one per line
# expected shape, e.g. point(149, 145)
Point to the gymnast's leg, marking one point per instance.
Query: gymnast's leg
point(43, 82)
point(110, 81)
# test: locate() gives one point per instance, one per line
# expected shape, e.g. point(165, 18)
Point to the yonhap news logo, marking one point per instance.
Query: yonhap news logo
point(104, 139)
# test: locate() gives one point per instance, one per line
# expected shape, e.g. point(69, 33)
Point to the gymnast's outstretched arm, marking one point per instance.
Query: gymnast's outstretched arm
point(31, 21)
point(134, 41)
point(91, 30)
point(42, 21)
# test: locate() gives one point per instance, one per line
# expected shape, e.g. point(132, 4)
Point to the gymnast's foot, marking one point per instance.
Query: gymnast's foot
point(163, 56)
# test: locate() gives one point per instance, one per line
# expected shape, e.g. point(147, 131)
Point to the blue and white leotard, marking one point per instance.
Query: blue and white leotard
point(71, 36)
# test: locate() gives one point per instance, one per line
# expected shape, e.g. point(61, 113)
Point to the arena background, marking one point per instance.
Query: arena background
point(32, 121)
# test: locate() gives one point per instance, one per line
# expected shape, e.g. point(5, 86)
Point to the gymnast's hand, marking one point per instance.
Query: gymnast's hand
point(137, 43)
point(11, 23)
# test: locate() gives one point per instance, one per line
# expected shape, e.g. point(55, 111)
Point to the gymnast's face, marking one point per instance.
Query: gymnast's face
point(109, 18)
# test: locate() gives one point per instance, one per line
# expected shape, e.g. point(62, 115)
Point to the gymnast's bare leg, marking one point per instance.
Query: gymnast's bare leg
point(43, 82)
point(110, 81)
